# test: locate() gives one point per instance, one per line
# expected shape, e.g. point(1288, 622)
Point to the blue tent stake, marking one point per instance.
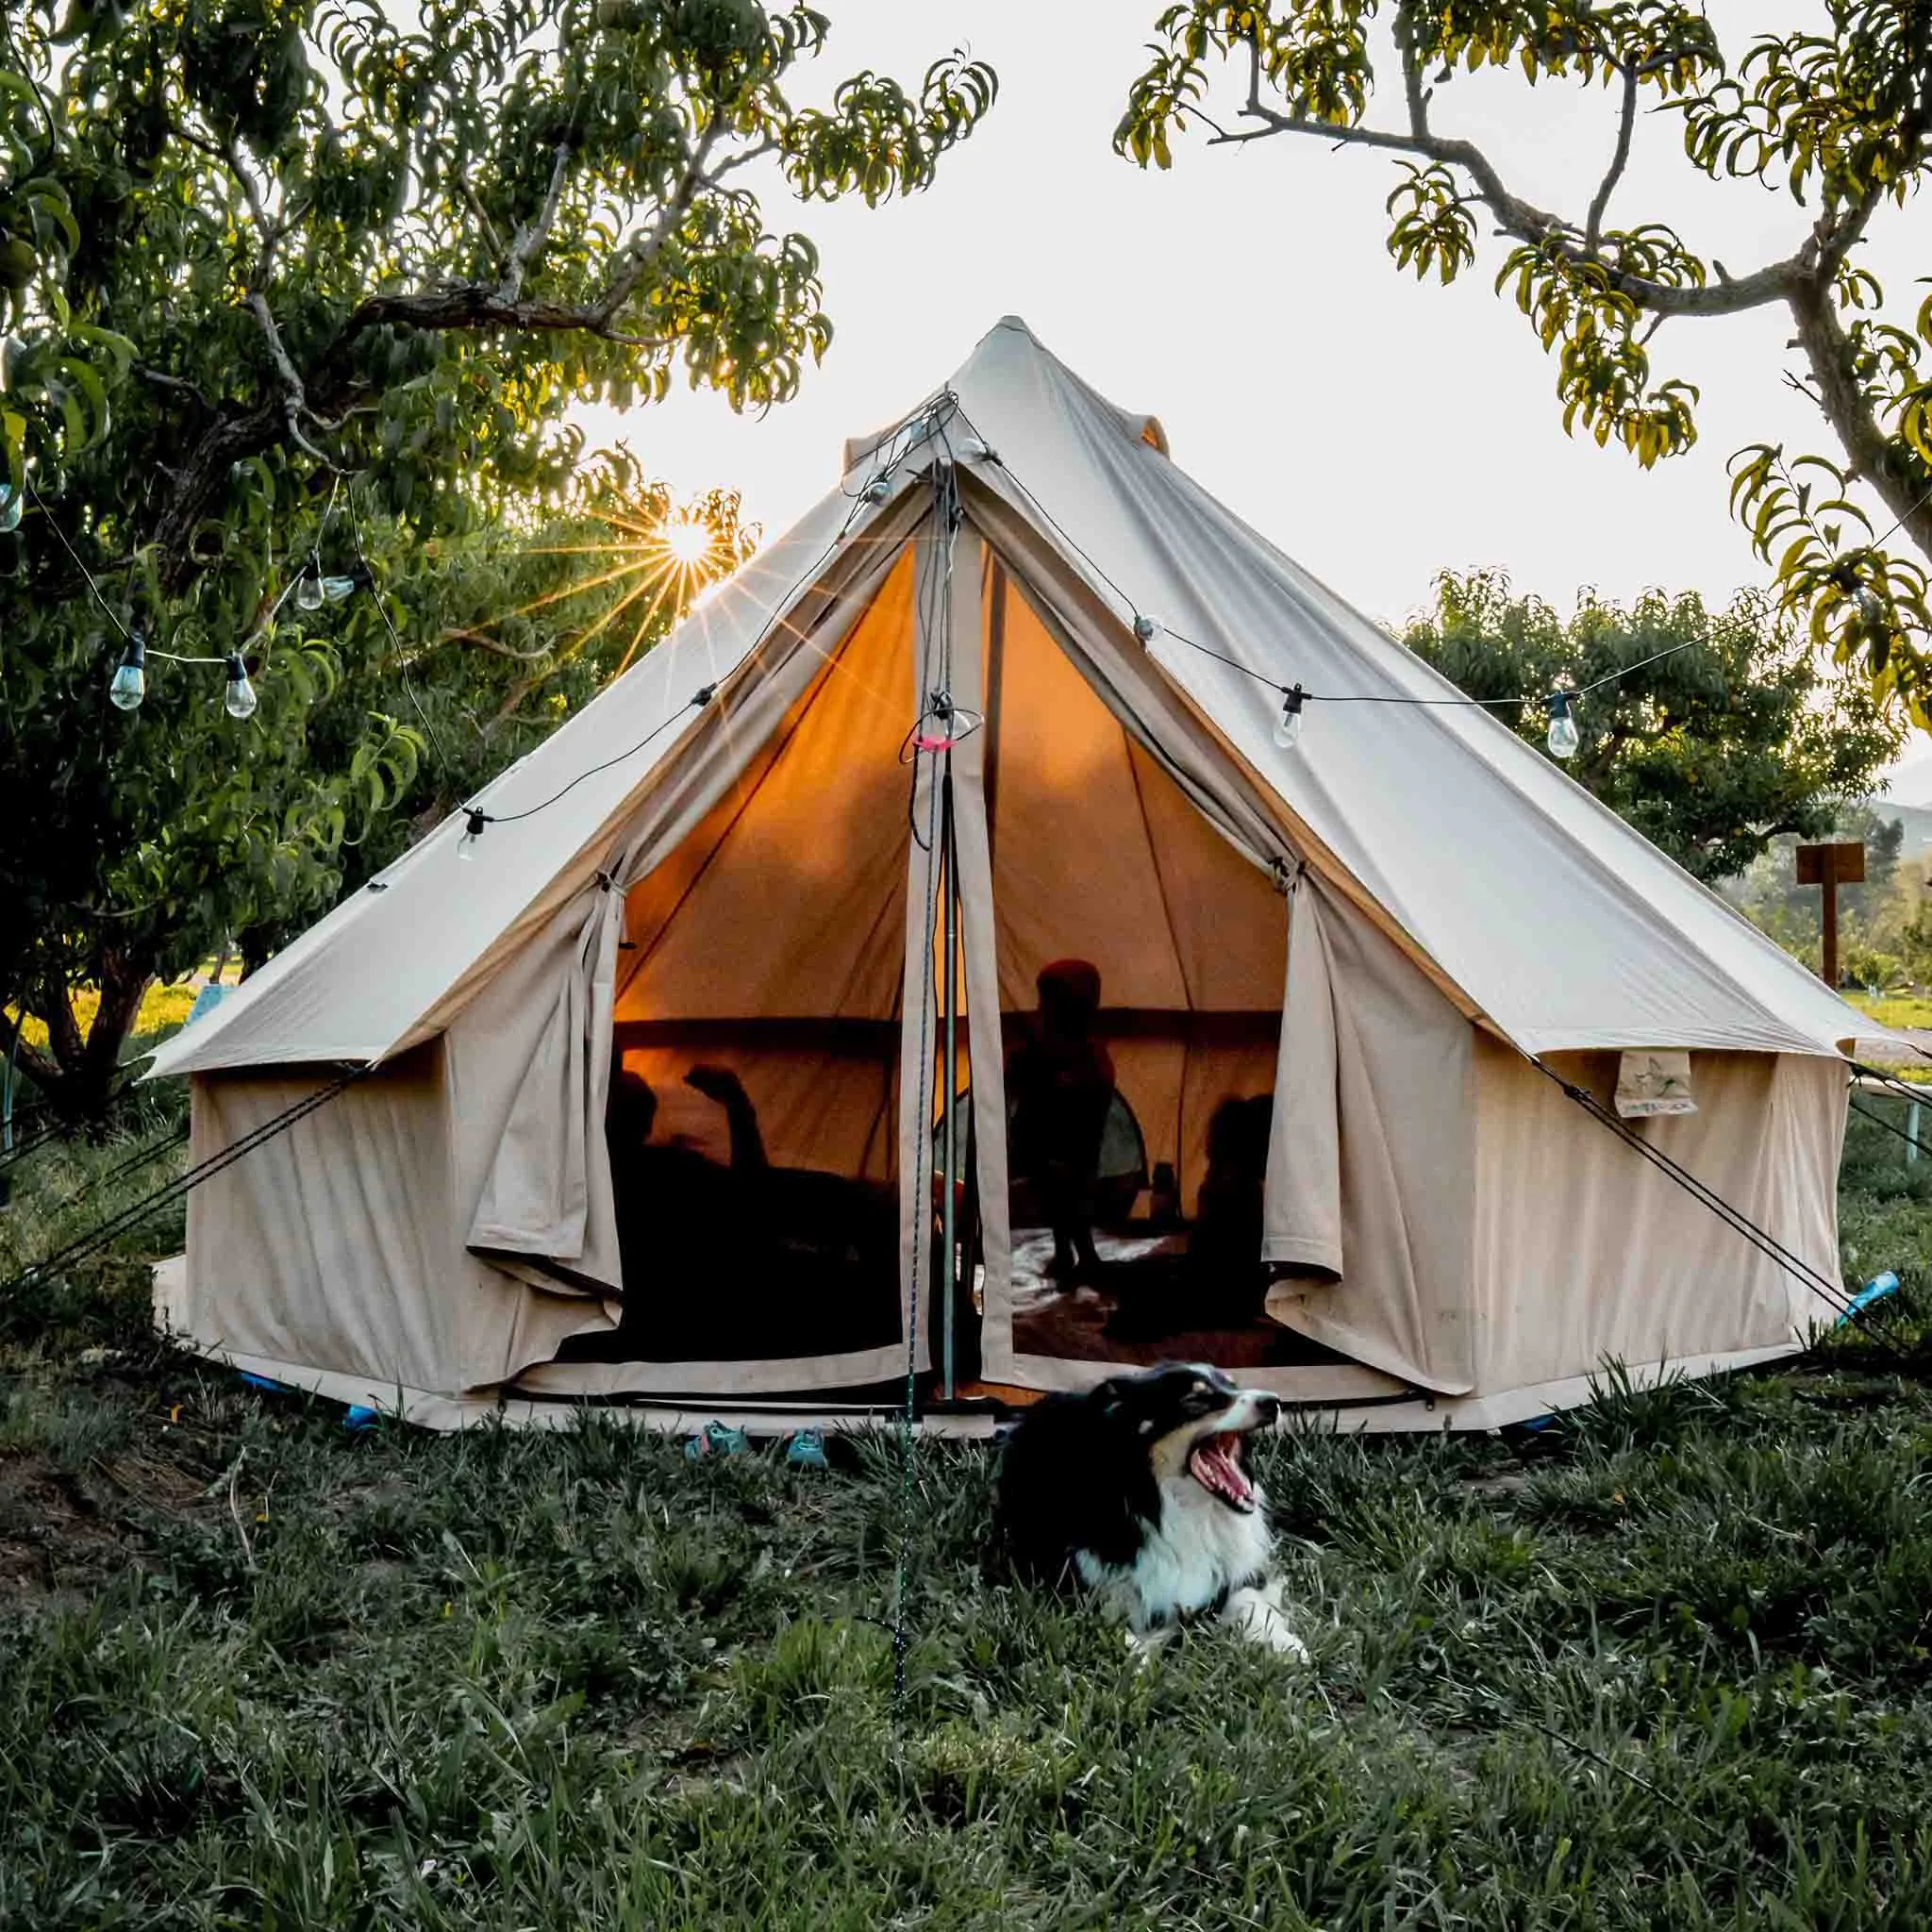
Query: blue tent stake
point(1876, 1289)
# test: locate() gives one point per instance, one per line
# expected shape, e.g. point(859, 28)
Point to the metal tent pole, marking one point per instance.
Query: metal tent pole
point(949, 1277)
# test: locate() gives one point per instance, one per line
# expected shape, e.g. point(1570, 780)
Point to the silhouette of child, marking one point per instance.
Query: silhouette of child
point(1059, 1084)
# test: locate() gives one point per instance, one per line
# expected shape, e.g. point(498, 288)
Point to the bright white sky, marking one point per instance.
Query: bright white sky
point(1377, 429)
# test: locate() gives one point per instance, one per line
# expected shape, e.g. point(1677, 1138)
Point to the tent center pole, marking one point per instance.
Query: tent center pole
point(949, 1242)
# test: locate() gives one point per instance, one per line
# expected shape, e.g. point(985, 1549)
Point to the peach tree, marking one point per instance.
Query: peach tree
point(296, 286)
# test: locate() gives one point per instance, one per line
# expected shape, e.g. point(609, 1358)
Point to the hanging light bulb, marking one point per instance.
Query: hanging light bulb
point(1564, 738)
point(473, 834)
point(1146, 628)
point(339, 590)
point(241, 700)
point(878, 489)
point(1287, 727)
point(1869, 606)
point(308, 589)
point(9, 507)
point(129, 684)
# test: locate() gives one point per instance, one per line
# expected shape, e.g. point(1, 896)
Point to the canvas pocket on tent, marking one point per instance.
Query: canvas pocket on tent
point(1654, 1083)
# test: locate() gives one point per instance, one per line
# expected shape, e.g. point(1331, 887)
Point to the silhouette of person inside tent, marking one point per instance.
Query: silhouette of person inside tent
point(1059, 1085)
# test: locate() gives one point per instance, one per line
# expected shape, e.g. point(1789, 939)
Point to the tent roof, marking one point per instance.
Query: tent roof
point(1564, 927)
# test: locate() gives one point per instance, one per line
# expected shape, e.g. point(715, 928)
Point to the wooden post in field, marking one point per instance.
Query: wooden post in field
point(1831, 866)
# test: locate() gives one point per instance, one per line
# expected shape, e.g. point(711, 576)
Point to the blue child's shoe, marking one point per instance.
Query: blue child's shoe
point(717, 1439)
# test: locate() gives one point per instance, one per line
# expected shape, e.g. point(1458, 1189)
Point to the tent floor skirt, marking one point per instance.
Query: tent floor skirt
point(427, 1409)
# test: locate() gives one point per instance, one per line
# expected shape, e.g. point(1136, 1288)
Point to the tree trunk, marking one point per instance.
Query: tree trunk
point(76, 1075)
point(256, 945)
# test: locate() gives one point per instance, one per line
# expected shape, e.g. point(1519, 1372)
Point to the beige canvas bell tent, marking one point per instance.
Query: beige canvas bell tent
point(1010, 696)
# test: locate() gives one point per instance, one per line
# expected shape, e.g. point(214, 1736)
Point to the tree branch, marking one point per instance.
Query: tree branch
point(748, 155)
point(1417, 96)
point(270, 231)
point(1593, 228)
point(531, 237)
point(468, 306)
point(1839, 393)
point(480, 306)
point(482, 214)
point(161, 379)
point(331, 386)
point(624, 282)
point(43, 1071)
point(462, 634)
point(1532, 224)
point(1848, 409)
point(295, 392)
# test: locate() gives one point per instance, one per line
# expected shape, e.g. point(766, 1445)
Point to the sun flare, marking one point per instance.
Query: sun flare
point(689, 540)
point(656, 560)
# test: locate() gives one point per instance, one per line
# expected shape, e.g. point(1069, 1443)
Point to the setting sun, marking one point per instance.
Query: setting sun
point(656, 556)
point(689, 540)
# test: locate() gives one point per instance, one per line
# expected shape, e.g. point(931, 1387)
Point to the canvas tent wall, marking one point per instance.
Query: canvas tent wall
point(1389, 927)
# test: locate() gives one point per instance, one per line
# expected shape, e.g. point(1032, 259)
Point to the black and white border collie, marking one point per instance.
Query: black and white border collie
point(1139, 1489)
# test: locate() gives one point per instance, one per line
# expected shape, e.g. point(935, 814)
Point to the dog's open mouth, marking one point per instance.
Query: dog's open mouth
point(1215, 1463)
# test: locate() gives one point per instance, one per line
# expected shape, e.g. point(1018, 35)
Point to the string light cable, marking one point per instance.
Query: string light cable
point(923, 424)
point(1563, 736)
point(128, 688)
point(478, 820)
point(937, 729)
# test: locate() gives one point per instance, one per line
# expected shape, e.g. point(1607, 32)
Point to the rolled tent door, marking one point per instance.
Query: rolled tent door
point(538, 1197)
point(1371, 1162)
point(1301, 1224)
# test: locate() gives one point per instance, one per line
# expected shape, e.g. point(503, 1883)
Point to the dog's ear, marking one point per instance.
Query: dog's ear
point(1112, 1399)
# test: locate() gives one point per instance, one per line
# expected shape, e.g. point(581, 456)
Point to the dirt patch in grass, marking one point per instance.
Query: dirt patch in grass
point(73, 1515)
point(56, 1544)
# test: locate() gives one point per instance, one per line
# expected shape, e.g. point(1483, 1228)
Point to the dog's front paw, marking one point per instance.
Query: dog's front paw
point(1258, 1616)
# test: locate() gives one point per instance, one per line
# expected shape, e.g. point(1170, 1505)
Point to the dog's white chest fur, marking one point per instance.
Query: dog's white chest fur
point(1198, 1555)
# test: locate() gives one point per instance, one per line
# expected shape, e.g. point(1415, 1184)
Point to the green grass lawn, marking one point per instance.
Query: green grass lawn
point(1667, 1663)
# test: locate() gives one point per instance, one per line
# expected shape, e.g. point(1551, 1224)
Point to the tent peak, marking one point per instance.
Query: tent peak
point(1136, 426)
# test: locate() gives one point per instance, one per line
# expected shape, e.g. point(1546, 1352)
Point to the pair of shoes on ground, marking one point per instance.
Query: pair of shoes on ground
point(805, 1450)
